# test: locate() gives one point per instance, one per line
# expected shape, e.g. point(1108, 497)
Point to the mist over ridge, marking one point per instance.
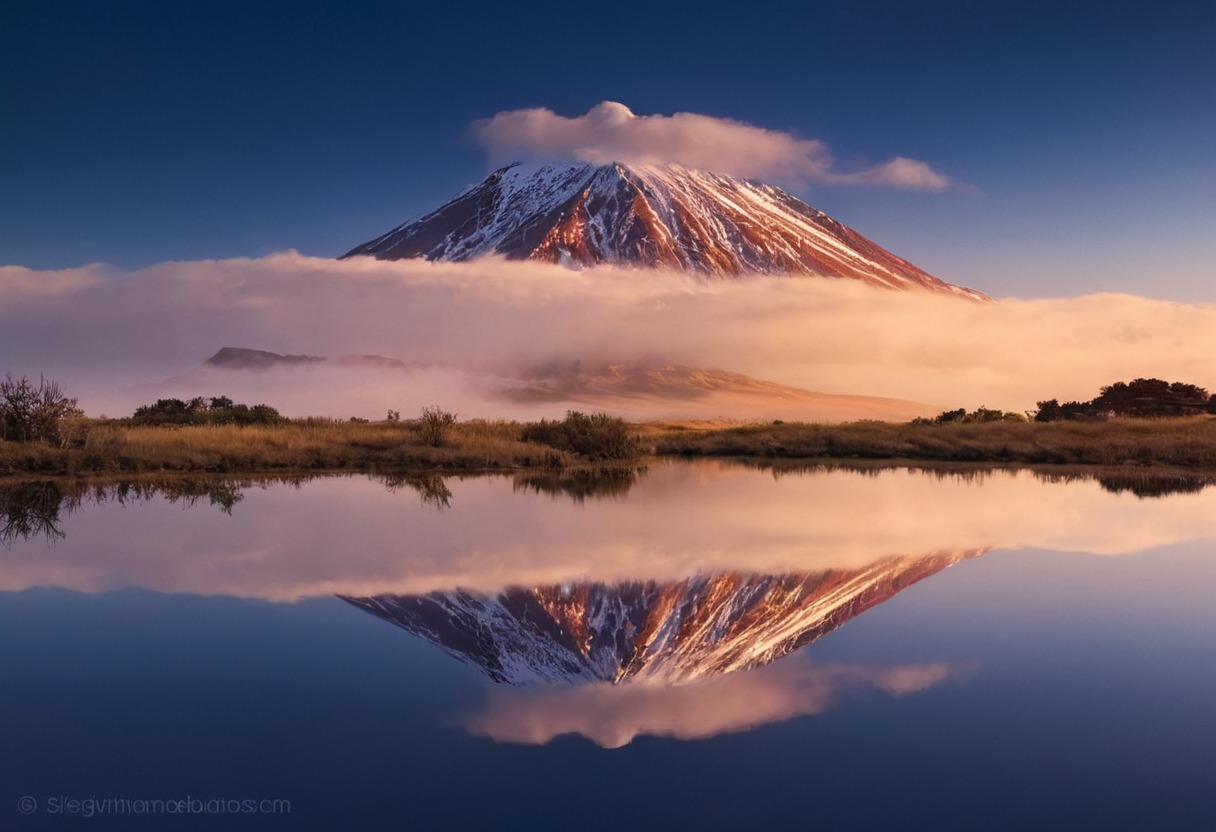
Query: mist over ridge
point(471, 330)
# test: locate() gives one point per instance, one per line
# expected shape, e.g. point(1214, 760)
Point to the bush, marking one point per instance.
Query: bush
point(198, 411)
point(435, 424)
point(1052, 411)
point(961, 416)
point(36, 413)
point(598, 436)
point(168, 412)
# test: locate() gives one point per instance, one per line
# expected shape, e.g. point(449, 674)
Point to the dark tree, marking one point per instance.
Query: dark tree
point(197, 411)
point(1141, 398)
point(436, 424)
point(35, 412)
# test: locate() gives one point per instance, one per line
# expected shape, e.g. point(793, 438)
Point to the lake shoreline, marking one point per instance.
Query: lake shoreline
point(109, 451)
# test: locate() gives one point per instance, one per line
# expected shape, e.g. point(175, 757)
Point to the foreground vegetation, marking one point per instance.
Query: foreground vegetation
point(1179, 443)
point(318, 445)
point(323, 445)
point(42, 433)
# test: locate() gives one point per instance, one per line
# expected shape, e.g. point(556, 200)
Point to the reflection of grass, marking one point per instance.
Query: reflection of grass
point(1143, 481)
point(1184, 443)
point(35, 508)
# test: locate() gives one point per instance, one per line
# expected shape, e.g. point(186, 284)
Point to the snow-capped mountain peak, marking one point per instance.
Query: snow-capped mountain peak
point(665, 216)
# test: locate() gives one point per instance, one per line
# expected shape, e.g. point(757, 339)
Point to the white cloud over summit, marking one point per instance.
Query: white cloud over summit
point(611, 132)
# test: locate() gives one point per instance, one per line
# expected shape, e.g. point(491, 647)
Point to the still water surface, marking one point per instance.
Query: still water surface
point(703, 646)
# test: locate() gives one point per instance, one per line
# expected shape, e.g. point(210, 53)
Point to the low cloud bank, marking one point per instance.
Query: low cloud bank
point(611, 132)
point(470, 330)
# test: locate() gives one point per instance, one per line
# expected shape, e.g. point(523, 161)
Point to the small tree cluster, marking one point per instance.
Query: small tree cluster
point(219, 410)
point(1141, 398)
point(963, 416)
point(597, 436)
point(38, 412)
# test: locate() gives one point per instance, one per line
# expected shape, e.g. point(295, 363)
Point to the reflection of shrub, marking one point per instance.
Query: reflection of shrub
point(36, 412)
point(432, 488)
point(596, 436)
point(436, 424)
point(579, 484)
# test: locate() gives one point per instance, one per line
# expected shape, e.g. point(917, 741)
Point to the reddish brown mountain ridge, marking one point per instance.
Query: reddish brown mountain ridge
point(663, 216)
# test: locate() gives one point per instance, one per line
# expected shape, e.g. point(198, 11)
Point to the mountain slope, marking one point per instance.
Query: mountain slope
point(664, 216)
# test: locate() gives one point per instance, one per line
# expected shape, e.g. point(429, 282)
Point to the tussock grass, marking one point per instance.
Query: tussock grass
point(326, 445)
point(1183, 443)
point(306, 445)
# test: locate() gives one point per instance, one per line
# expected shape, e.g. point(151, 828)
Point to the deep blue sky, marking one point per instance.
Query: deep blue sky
point(137, 132)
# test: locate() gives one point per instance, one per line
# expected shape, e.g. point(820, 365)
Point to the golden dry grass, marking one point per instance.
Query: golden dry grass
point(1184, 443)
point(325, 445)
point(308, 445)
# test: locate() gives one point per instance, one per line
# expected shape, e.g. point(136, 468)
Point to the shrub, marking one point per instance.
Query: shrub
point(1143, 397)
point(259, 414)
point(961, 416)
point(1052, 411)
point(436, 424)
point(597, 436)
point(198, 411)
point(167, 412)
point(36, 413)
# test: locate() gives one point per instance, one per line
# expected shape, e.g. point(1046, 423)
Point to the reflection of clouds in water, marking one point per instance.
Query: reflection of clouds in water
point(465, 327)
point(351, 536)
point(613, 715)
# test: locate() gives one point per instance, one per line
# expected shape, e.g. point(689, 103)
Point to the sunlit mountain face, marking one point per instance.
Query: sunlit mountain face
point(670, 632)
point(661, 216)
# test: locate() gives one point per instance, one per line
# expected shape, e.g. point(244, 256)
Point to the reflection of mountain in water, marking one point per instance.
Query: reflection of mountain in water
point(672, 632)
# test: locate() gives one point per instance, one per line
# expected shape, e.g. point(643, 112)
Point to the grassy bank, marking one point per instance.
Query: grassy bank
point(307, 445)
point(1188, 443)
point(323, 445)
